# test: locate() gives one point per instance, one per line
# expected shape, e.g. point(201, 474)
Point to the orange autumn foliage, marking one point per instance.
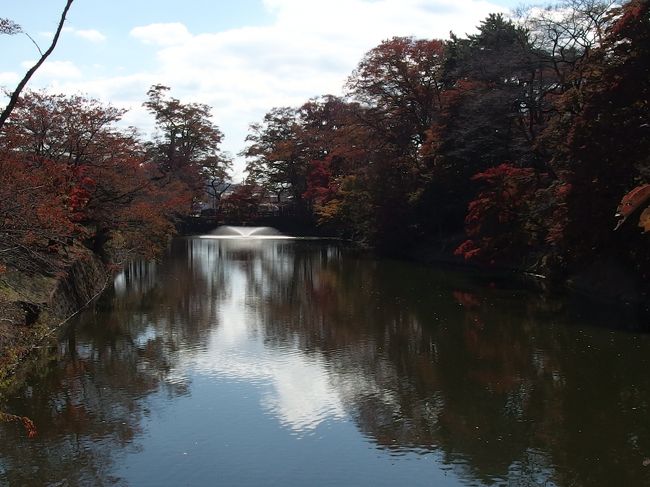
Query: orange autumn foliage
point(69, 176)
point(632, 201)
point(27, 423)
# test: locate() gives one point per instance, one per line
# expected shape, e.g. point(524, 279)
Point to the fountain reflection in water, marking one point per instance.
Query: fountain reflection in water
point(228, 231)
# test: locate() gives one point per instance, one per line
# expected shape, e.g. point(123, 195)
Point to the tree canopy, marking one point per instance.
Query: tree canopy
point(524, 136)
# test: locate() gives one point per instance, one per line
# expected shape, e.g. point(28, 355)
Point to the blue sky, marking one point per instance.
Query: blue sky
point(241, 57)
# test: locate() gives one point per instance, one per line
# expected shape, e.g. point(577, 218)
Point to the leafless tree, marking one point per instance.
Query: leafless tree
point(11, 28)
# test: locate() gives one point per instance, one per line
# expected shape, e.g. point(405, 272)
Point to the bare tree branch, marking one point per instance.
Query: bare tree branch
point(16, 94)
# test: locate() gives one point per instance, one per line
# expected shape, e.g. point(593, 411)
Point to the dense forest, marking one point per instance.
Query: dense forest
point(512, 146)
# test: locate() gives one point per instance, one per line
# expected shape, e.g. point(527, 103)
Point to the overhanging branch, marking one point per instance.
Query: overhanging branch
point(23, 82)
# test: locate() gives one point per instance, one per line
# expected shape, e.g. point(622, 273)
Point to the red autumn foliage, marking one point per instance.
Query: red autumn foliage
point(320, 186)
point(632, 201)
point(36, 221)
point(69, 176)
point(496, 220)
point(27, 423)
point(243, 204)
point(466, 299)
point(416, 150)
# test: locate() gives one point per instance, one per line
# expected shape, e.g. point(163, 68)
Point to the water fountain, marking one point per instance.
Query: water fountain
point(229, 231)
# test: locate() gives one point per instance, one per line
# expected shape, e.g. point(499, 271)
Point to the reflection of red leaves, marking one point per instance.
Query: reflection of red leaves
point(495, 380)
point(467, 249)
point(468, 300)
point(27, 423)
point(631, 201)
point(563, 190)
point(29, 426)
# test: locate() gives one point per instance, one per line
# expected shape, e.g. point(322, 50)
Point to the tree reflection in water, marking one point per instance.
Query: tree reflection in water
point(502, 386)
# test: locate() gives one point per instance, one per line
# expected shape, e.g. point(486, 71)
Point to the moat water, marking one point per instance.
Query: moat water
point(259, 362)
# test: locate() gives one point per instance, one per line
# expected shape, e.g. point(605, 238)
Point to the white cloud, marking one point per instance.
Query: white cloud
point(162, 34)
point(8, 78)
point(55, 70)
point(91, 35)
point(296, 387)
point(309, 49)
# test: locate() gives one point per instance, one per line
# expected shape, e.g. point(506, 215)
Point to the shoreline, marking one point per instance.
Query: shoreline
point(605, 282)
point(35, 307)
point(40, 306)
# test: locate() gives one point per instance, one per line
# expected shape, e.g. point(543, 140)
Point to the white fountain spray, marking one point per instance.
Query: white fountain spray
point(228, 232)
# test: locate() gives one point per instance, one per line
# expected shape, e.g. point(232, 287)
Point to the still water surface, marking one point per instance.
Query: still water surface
point(294, 363)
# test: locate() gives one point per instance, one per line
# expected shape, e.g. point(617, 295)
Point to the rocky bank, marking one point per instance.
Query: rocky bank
point(32, 307)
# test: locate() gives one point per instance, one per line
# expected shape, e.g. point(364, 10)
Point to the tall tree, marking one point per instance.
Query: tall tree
point(276, 158)
point(187, 143)
point(398, 86)
point(608, 145)
point(70, 176)
point(400, 82)
point(489, 73)
point(565, 34)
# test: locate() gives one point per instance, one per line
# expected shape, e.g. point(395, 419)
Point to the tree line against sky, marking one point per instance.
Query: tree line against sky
point(513, 146)
point(69, 175)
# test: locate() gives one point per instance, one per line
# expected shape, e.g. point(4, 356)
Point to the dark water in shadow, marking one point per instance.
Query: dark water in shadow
point(261, 362)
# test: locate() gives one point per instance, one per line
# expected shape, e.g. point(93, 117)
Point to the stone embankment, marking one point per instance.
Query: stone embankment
point(33, 307)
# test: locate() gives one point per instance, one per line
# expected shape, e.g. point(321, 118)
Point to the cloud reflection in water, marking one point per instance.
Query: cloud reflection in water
point(296, 388)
